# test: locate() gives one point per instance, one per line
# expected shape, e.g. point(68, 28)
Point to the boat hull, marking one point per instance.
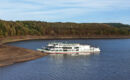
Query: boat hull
point(72, 52)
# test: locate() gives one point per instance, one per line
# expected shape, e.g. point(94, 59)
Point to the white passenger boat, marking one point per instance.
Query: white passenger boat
point(68, 48)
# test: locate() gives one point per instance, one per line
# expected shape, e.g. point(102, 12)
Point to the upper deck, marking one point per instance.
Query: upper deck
point(61, 44)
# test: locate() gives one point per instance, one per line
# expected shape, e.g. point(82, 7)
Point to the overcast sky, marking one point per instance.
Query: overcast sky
point(66, 10)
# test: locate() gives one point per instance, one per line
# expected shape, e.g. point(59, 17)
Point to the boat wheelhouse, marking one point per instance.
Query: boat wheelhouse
point(63, 48)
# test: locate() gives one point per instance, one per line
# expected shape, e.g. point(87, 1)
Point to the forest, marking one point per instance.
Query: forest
point(40, 28)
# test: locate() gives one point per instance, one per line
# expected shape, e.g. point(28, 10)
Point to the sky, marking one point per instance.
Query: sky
point(80, 11)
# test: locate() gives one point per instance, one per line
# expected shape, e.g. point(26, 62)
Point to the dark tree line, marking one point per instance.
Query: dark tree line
point(21, 28)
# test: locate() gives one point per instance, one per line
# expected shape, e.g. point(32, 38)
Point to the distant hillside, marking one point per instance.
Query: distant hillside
point(21, 28)
point(118, 25)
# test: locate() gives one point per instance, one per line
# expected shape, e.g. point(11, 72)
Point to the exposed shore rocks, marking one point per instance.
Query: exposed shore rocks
point(10, 55)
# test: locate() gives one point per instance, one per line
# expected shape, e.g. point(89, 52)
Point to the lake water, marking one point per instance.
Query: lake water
point(113, 63)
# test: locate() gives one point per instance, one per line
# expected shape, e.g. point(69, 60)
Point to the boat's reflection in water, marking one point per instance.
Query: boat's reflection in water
point(60, 58)
point(75, 54)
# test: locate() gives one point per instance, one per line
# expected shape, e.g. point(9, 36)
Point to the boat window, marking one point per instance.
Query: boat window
point(76, 47)
point(57, 47)
point(64, 50)
point(67, 47)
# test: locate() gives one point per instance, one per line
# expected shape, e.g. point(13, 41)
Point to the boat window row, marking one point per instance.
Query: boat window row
point(63, 50)
point(60, 47)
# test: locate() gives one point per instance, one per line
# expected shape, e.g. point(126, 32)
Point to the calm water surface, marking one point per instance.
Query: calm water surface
point(113, 63)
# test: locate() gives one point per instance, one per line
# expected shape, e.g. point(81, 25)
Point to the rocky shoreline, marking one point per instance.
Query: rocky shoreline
point(10, 55)
point(21, 38)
